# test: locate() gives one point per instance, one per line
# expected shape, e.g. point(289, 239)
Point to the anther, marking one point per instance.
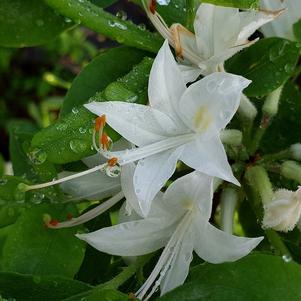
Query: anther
point(100, 122)
point(112, 162)
point(105, 141)
point(152, 6)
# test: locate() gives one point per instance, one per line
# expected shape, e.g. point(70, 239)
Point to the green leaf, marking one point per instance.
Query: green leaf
point(95, 18)
point(32, 248)
point(285, 127)
point(107, 295)
point(70, 139)
point(255, 277)
point(37, 288)
point(268, 63)
point(101, 71)
point(244, 4)
point(38, 23)
point(297, 30)
point(2, 165)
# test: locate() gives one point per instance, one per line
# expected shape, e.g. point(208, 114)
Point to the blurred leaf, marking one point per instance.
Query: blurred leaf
point(38, 288)
point(101, 71)
point(32, 248)
point(107, 295)
point(286, 125)
point(103, 3)
point(255, 277)
point(268, 63)
point(2, 166)
point(70, 139)
point(38, 23)
point(243, 4)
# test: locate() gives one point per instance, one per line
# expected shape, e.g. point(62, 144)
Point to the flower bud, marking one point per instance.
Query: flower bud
point(283, 212)
point(291, 170)
point(296, 151)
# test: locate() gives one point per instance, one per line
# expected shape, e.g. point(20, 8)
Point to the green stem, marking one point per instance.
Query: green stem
point(190, 14)
point(276, 241)
point(284, 154)
point(102, 22)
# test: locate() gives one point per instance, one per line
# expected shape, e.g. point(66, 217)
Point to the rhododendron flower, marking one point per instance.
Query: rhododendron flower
point(180, 124)
point(178, 220)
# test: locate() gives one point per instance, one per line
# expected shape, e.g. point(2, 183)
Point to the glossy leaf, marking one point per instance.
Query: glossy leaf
point(32, 248)
point(255, 277)
point(105, 68)
point(14, 286)
point(38, 24)
point(297, 30)
point(70, 139)
point(268, 63)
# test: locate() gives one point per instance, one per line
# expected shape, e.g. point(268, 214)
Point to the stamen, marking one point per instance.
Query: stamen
point(152, 6)
point(165, 260)
point(112, 162)
point(25, 187)
point(71, 222)
point(100, 123)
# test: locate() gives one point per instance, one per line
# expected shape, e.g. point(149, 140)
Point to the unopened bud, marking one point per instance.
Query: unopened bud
point(231, 137)
point(271, 104)
point(291, 170)
point(296, 151)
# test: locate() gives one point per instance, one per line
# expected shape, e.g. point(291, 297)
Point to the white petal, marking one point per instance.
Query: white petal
point(190, 73)
point(216, 29)
point(250, 21)
point(152, 173)
point(216, 246)
point(127, 184)
point(209, 104)
point(95, 186)
point(195, 187)
point(208, 157)
point(179, 269)
point(132, 238)
point(138, 124)
point(166, 84)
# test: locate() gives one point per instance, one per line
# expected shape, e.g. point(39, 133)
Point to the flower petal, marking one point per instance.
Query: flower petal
point(209, 157)
point(209, 104)
point(95, 186)
point(189, 73)
point(216, 246)
point(196, 187)
point(166, 84)
point(216, 29)
point(152, 173)
point(138, 124)
point(179, 269)
point(132, 238)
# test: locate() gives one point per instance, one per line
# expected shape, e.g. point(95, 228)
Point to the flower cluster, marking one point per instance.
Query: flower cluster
point(191, 101)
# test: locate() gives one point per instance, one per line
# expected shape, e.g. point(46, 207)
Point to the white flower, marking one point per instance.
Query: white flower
point(282, 26)
point(180, 124)
point(178, 220)
point(284, 211)
point(220, 32)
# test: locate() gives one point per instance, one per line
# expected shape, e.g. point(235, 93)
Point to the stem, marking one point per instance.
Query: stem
point(284, 154)
point(190, 14)
point(102, 22)
point(276, 241)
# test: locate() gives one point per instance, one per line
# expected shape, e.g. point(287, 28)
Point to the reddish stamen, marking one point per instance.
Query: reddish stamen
point(100, 122)
point(152, 6)
point(54, 222)
point(105, 141)
point(112, 162)
point(69, 216)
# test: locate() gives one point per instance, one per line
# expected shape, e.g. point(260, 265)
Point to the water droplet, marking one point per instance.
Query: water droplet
point(68, 20)
point(287, 258)
point(211, 85)
point(82, 130)
point(40, 22)
point(3, 181)
point(138, 191)
point(37, 156)
point(117, 24)
point(78, 146)
point(37, 198)
point(163, 2)
point(74, 110)
point(36, 279)
point(288, 68)
point(142, 26)
point(113, 171)
point(61, 126)
point(121, 15)
point(273, 54)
